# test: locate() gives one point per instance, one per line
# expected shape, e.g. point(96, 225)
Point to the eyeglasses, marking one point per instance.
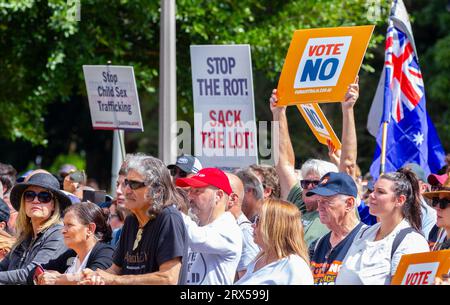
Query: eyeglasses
point(134, 185)
point(43, 197)
point(443, 203)
point(175, 171)
point(305, 183)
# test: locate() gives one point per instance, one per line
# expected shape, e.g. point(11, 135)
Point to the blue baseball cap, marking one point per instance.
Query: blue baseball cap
point(335, 183)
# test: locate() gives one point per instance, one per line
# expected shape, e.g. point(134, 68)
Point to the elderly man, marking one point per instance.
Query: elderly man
point(253, 193)
point(154, 238)
point(249, 248)
point(313, 169)
point(216, 241)
point(336, 195)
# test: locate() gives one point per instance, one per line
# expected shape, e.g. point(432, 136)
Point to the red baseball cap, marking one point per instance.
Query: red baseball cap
point(206, 177)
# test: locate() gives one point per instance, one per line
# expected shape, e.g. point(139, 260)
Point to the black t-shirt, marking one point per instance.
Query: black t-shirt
point(326, 261)
point(163, 239)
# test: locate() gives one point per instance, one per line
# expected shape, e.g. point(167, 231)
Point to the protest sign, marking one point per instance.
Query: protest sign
point(321, 63)
point(319, 124)
point(113, 97)
point(224, 112)
point(421, 268)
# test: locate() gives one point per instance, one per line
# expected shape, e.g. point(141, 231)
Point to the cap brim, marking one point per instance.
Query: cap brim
point(192, 182)
point(431, 195)
point(434, 179)
point(322, 191)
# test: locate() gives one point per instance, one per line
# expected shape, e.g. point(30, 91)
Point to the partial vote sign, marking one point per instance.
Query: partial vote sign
point(421, 268)
point(113, 97)
point(321, 63)
point(319, 124)
point(224, 111)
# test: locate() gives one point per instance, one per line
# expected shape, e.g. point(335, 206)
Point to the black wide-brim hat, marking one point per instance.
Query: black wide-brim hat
point(43, 180)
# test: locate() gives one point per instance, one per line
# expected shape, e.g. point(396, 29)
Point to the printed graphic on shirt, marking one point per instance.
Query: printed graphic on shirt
point(325, 273)
point(327, 261)
point(196, 268)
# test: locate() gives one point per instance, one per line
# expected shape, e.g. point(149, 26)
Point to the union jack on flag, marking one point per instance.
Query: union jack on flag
point(404, 84)
point(400, 102)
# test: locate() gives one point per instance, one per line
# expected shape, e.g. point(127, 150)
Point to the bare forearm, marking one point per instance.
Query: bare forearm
point(349, 143)
point(155, 278)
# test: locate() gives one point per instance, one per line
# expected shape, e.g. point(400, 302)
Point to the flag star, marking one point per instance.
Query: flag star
point(418, 138)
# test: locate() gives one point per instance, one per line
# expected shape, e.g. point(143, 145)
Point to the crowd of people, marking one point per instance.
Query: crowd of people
point(184, 224)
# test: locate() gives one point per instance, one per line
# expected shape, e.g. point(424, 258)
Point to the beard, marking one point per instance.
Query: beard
point(193, 216)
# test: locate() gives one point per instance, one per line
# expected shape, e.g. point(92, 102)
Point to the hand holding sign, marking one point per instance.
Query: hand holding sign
point(351, 95)
point(276, 110)
point(333, 153)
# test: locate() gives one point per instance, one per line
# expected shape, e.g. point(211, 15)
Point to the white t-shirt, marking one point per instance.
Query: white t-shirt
point(249, 248)
point(291, 270)
point(368, 262)
point(214, 251)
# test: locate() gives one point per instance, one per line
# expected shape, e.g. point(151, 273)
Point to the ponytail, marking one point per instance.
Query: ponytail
point(407, 184)
point(411, 208)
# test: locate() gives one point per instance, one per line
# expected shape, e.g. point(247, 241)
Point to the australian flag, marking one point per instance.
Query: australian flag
point(411, 136)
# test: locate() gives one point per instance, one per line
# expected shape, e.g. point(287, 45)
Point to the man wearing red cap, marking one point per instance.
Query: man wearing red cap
point(216, 241)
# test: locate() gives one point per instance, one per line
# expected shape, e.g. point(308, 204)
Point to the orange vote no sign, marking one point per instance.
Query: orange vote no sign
point(321, 63)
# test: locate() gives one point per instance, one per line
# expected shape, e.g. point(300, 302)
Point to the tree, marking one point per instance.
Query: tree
point(43, 98)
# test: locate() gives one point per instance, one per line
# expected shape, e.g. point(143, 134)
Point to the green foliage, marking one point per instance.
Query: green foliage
point(74, 159)
point(43, 51)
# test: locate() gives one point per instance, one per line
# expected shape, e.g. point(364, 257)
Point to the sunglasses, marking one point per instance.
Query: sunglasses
point(435, 188)
point(175, 171)
point(134, 185)
point(443, 203)
point(43, 197)
point(305, 183)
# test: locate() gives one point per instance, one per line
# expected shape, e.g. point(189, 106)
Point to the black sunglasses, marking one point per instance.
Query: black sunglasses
point(134, 185)
point(443, 203)
point(305, 183)
point(43, 197)
point(175, 170)
point(435, 188)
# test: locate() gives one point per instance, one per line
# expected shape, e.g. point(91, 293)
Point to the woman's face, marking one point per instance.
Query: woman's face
point(383, 200)
point(39, 203)
point(443, 215)
point(75, 233)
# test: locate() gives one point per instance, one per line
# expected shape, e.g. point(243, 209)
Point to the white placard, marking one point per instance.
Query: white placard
point(113, 97)
point(224, 111)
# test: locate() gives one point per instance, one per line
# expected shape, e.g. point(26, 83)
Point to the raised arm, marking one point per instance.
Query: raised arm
point(285, 165)
point(349, 141)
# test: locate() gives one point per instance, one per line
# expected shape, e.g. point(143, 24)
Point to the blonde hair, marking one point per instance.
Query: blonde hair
point(282, 229)
point(24, 227)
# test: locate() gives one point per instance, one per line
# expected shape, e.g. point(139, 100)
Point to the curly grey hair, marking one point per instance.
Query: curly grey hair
point(161, 191)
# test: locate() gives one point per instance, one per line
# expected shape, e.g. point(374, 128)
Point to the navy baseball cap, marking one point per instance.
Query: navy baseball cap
point(188, 164)
point(335, 183)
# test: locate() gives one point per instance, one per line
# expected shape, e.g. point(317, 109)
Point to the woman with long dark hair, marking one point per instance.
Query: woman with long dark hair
point(376, 251)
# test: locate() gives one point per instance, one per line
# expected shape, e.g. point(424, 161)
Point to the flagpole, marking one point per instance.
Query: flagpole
point(383, 148)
